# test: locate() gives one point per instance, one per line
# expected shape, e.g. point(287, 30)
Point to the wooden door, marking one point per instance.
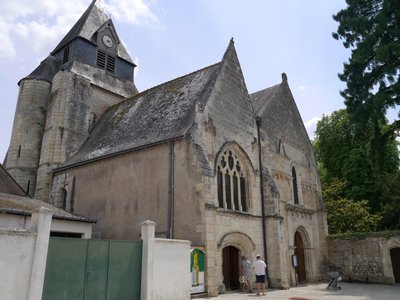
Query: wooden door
point(230, 266)
point(395, 258)
point(299, 251)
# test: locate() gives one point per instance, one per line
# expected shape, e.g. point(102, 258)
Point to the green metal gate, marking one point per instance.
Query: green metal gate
point(80, 269)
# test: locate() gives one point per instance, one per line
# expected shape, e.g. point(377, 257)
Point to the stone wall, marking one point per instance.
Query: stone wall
point(364, 259)
point(23, 255)
point(165, 264)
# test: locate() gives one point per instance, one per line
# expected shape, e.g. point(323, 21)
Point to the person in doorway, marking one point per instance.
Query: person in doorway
point(246, 274)
point(260, 268)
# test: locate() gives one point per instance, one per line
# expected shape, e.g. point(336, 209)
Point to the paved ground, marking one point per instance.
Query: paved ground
point(349, 291)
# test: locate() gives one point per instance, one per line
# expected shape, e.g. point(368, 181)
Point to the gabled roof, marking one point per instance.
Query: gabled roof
point(91, 20)
point(17, 205)
point(281, 119)
point(9, 185)
point(161, 113)
point(263, 98)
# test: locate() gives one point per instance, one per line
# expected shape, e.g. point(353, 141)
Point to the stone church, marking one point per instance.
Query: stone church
point(207, 161)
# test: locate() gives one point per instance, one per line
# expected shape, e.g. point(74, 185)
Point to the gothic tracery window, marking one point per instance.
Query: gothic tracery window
point(231, 182)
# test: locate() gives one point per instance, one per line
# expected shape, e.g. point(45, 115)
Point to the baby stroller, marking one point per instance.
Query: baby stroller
point(335, 278)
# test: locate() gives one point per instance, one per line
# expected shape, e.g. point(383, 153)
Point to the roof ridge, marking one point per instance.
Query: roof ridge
point(268, 88)
point(77, 28)
point(169, 81)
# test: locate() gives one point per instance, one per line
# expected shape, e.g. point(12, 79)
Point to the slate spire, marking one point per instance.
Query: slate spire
point(88, 24)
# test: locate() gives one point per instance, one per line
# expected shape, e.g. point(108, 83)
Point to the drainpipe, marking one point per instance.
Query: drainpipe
point(258, 122)
point(170, 231)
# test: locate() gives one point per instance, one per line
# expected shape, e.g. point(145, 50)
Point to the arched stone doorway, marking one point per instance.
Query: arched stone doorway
point(232, 246)
point(230, 267)
point(301, 263)
point(395, 258)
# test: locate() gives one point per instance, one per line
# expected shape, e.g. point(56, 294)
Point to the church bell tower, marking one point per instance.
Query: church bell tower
point(63, 98)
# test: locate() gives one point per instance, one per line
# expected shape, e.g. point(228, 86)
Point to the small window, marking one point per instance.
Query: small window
point(19, 151)
point(28, 187)
point(295, 191)
point(231, 183)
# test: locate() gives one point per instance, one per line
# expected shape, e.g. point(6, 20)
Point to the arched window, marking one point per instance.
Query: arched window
point(294, 183)
point(231, 183)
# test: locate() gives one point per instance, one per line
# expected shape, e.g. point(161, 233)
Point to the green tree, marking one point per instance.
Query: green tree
point(334, 139)
point(345, 215)
point(342, 155)
point(391, 206)
point(371, 29)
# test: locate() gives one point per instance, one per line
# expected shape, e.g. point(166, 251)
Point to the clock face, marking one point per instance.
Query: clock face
point(107, 41)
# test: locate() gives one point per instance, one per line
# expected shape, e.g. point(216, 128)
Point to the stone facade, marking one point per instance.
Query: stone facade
point(209, 162)
point(175, 182)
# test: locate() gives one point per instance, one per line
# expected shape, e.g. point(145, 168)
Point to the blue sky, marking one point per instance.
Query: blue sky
point(168, 39)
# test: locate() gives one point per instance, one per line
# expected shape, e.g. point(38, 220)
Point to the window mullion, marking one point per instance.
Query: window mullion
point(224, 190)
point(232, 192)
point(239, 193)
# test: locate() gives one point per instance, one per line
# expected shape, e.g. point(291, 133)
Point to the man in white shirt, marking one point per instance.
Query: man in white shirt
point(260, 268)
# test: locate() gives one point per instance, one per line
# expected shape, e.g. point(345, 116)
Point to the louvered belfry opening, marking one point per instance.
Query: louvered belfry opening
point(66, 54)
point(105, 61)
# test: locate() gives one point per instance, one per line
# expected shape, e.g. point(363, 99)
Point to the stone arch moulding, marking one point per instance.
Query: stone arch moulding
point(304, 236)
point(238, 239)
point(239, 151)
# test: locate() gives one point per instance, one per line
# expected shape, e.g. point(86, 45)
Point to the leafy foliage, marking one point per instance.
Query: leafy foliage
point(355, 192)
point(345, 215)
point(391, 205)
point(371, 28)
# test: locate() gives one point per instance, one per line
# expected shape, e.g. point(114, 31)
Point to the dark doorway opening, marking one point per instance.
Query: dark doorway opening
point(299, 252)
point(230, 266)
point(395, 258)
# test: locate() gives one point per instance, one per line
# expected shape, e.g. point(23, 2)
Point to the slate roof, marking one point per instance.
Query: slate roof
point(46, 70)
point(161, 113)
point(87, 25)
point(8, 184)
point(18, 205)
point(261, 99)
point(281, 119)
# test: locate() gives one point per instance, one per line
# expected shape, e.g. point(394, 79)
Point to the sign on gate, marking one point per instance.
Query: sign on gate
point(197, 262)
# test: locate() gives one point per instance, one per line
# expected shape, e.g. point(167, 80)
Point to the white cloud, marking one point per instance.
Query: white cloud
point(312, 122)
point(311, 126)
point(302, 88)
point(135, 12)
point(7, 48)
point(40, 24)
